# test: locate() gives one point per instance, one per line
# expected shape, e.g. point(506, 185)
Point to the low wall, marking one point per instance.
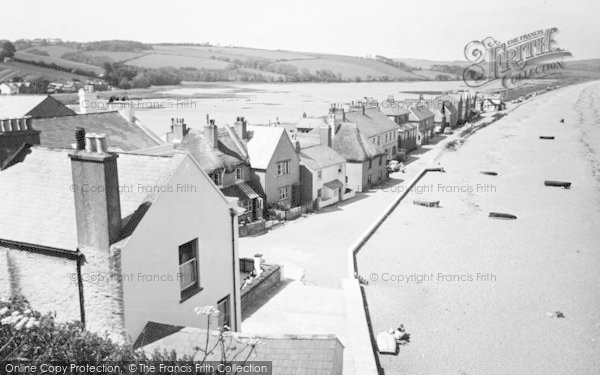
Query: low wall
point(250, 229)
point(364, 347)
point(269, 278)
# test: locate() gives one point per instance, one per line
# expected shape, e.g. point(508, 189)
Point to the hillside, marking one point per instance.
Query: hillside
point(156, 64)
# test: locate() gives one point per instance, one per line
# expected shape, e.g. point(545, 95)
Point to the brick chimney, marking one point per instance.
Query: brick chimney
point(325, 134)
point(14, 133)
point(96, 192)
point(211, 132)
point(241, 128)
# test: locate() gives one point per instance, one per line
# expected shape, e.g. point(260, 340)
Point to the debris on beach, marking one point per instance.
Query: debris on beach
point(501, 215)
point(427, 203)
point(490, 173)
point(386, 343)
point(546, 137)
point(562, 120)
point(361, 280)
point(556, 314)
point(564, 184)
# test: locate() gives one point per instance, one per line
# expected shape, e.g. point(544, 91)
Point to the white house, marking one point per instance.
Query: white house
point(117, 240)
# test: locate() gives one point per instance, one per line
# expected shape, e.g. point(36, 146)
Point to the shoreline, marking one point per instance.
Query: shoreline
point(446, 319)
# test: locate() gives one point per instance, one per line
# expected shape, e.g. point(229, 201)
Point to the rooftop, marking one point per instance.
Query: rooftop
point(17, 106)
point(290, 354)
point(39, 188)
point(350, 143)
point(420, 113)
point(320, 156)
point(262, 144)
point(372, 123)
point(57, 132)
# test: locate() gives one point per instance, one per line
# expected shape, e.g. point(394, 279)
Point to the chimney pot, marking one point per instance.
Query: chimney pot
point(101, 143)
point(90, 142)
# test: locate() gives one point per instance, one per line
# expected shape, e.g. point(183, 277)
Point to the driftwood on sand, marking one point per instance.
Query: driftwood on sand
point(426, 203)
point(546, 137)
point(490, 173)
point(501, 215)
point(564, 184)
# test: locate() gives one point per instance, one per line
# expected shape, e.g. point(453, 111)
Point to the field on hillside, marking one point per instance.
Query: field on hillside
point(28, 71)
point(155, 60)
point(25, 56)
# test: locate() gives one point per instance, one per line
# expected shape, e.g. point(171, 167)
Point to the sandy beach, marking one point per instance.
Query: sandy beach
point(479, 295)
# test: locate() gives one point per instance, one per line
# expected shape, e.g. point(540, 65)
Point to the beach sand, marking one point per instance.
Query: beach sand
point(493, 315)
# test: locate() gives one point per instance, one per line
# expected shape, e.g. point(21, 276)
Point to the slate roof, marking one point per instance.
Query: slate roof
point(38, 203)
point(263, 144)
point(17, 106)
point(420, 113)
point(310, 122)
point(290, 354)
point(372, 123)
point(351, 144)
point(393, 108)
point(227, 155)
point(307, 139)
point(321, 156)
point(58, 132)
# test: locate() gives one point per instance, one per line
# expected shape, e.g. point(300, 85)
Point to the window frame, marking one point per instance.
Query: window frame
point(193, 287)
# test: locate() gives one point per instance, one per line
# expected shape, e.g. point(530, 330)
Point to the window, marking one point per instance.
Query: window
point(346, 179)
point(319, 173)
point(239, 174)
point(189, 280)
point(283, 167)
point(319, 193)
point(217, 178)
point(379, 176)
point(394, 150)
point(283, 193)
point(224, 306)
point(378, 140)
point(340, 168)
point(370, 163)
point(369, 179)
point(380, 159)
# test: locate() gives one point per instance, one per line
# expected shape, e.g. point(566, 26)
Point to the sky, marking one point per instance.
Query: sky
point(425, 29)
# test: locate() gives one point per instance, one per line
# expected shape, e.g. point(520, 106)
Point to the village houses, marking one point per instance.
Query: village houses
point(275, 165)
point(323, 172)
point(116, 228)
point(398, 112)
point(421, 116)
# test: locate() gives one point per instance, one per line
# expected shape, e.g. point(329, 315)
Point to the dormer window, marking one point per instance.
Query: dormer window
point(239, 174)
point(217, 178)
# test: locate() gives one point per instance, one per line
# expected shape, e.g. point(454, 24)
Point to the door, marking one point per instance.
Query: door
point(224, 306)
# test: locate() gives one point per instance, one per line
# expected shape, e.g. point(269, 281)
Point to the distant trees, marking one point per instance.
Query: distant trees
point(127, 76)
point(394, 63)
point(8, 49)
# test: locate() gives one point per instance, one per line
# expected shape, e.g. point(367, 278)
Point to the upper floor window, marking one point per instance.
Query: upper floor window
point(217, 178)
point(370, 163)
point(380, 159)
point(283, 167)
point(189, 278)
point(340, 168)
point(319, 173)
point(239, 174)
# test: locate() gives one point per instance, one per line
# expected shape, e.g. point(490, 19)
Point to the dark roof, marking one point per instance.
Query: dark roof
point(58, 132)
point(372, 123)
point(420, 113)
point(353, 145)
point(17, 106)
point(241, 190)
point(227, 155)
point(321, 156)
point(290, 354)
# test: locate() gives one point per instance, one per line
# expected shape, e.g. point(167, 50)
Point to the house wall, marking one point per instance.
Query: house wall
point(307, 184)
point(354, 171)
point(358, 174)
point(390, 143)
point(284, 151)
point(203, 215)
point(48, 282)
point(229, 177)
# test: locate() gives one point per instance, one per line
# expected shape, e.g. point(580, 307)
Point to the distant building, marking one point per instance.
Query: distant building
point(275, 164)
point(322, 172)
point(365, 160)
point(35, 106)
point(398, 112)
point(10, 88)
point(425, 120)
point(116, 240)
